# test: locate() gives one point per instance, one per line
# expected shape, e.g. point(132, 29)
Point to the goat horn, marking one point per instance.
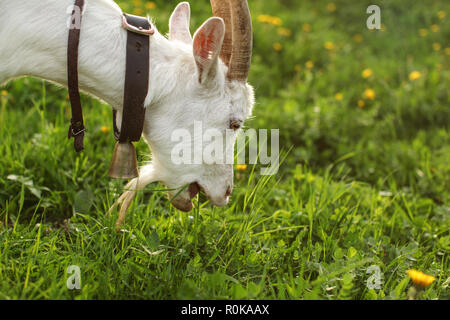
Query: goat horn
point(221, 8)
point(238, 43)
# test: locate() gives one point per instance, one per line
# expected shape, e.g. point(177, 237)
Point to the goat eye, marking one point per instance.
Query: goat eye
point(235, 124)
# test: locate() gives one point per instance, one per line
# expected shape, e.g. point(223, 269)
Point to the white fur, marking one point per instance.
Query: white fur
point(33, 42)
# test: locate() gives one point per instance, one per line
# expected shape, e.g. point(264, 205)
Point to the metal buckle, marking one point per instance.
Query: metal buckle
point(139, 30)
point(74, 134)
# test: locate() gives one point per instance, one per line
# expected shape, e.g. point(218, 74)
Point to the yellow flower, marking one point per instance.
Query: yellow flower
point(361, 103)
point(270, 19)
point(331, 7)
point(277, 46)
point(420, 278)
point(4, 92)
point(369, 94)
point(339, 96)
point(358, 38)
point(262, 18)
point(423, 32)
point(309, 64)
point(241, 167)
point(435, 28)
point(105, 129)
point(441, 14)
point(447, 51)
point(137, 3)
point(276, 21)
point(329, 45)
point(150, 5)
point(367, 73)
point(436, 46)
point(414, 75)
point(383, 27)
point(298, 68)
point(138, 12)
point(306, 27)
point(284, 32)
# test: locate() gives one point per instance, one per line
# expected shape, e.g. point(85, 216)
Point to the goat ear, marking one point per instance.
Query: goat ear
point(179, 23)
point(208, 42)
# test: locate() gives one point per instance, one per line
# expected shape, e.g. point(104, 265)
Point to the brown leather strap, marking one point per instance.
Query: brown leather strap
point(136, 81)
point(76, 129)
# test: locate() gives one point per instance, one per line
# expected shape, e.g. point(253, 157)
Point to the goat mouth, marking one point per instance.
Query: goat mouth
point(194, 189)
point(186, 204)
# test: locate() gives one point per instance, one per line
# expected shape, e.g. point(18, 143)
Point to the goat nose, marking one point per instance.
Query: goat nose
point(228, 193)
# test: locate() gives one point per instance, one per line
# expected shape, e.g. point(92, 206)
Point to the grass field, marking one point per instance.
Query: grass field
point(364, 127)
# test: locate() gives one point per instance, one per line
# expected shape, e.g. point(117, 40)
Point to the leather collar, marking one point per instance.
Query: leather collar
point(139, 30)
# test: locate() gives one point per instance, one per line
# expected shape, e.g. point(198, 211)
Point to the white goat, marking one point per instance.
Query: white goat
point(188, 81)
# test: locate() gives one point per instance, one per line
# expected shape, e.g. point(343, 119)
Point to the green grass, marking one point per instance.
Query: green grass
point(359, 186)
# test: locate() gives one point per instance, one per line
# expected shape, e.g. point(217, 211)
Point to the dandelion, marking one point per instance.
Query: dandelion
point(276, 21)
point(367, 73)
point(421, 279)
point(137, 3)
point(138, 12)
point(414, 75)
point(329, 45)
point(436, 46)
point(150, 5)
point(265, 18)
point(447, 51)
point(369, 94)
point(357, 38)
point(435, 28)
point(105, 129)
point(277, 46)
point(241, 167)
point(4, 92)
point(361, 103)
point(309, 64)
point(331, 7)
point(284, 32)
point(441, 14)
point(306, 27)
point(423, 32)
point(339, 96)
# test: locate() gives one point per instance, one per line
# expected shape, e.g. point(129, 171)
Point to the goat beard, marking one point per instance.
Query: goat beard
point(134, 185)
